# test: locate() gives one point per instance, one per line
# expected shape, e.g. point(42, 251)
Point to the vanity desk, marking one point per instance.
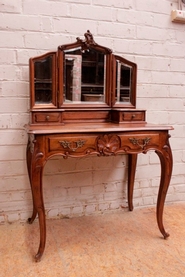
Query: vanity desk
point(83, 102)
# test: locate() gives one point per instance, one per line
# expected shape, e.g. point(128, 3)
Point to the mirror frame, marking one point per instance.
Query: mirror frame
point(32, 61)
point(133, 81)
point(86, 44)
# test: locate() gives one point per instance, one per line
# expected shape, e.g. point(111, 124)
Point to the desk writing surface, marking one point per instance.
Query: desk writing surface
point(94, 127)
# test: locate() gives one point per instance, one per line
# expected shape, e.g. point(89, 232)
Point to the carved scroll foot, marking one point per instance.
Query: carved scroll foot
point(166, 160)
point(32, 218)
point(166, 235)
point(38, 257)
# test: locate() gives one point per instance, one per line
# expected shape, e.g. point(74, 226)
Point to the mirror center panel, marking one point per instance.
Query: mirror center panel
point(84, 76)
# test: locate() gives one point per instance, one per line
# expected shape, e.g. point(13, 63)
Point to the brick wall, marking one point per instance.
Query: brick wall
point(139, 30)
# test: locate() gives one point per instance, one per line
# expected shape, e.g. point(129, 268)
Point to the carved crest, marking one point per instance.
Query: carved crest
point(89, 41)
point(89, 38)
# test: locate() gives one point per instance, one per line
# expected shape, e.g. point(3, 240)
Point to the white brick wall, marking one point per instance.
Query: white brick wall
point(139, 30)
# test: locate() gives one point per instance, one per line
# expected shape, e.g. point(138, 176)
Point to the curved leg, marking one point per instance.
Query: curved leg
point(39, 207)
point(42, 223)
point(132, 162)
point(36, 171)
point(29, 164)
point(166, 171)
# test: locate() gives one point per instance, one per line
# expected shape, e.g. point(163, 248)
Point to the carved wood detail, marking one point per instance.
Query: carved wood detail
point(108, 144)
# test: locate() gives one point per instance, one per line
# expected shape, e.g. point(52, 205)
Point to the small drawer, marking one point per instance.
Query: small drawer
point(133, 116)
point(46, 117)
point(122, 116)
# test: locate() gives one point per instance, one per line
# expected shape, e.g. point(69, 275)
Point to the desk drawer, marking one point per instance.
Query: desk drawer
point(46, 117)
point(140, 141)
point(72, 144)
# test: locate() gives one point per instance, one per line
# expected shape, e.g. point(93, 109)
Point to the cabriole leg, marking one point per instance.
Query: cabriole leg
point(35, 161)
point(166, 170)
point(132, 162)
point(29, 156)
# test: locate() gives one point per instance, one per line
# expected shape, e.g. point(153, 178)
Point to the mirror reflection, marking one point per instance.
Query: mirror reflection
point(123, 82)
point(43, 80)
point(84, 76)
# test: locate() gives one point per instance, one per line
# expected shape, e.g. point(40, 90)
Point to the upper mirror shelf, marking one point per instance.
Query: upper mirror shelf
point(82, 74)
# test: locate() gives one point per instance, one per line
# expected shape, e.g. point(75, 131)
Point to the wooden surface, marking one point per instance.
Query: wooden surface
point(94, 127)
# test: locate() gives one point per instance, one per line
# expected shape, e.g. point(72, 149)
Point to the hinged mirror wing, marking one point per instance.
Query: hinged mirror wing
point(124, 83)
point(43, 81)
point(84, 74)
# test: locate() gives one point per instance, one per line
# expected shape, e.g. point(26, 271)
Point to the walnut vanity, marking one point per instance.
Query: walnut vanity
point(83, 103)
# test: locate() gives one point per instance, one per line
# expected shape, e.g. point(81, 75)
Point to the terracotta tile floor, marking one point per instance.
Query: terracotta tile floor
point(120, 244)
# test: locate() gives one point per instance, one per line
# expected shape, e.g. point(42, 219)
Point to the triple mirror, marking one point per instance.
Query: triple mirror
point(82, 74)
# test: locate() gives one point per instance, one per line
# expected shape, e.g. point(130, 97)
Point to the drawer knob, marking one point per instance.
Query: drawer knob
point(47, 117)
point(133, 116)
